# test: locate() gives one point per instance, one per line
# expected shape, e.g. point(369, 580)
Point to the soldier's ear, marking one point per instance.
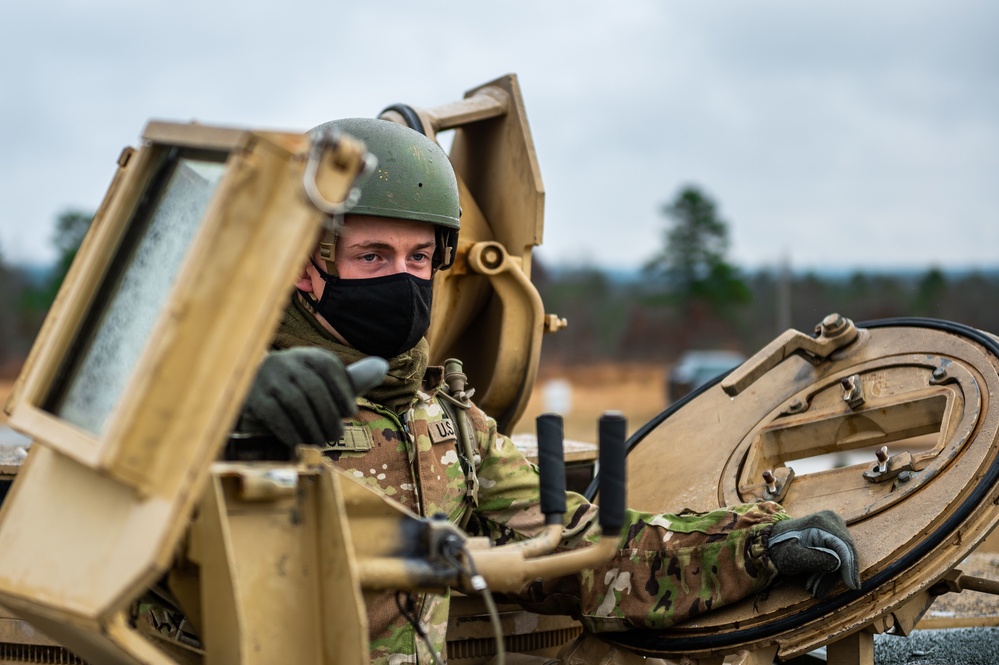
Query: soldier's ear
point(307, 278)
point(304, 281)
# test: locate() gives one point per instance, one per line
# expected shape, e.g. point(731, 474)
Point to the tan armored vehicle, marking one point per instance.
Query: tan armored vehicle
point(134, 382)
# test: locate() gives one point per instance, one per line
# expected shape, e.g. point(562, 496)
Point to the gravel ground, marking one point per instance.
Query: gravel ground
point(968, 608)
point(959, 628)
point(954, 646)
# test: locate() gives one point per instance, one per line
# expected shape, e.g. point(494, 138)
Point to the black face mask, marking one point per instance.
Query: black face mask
point(381, 316)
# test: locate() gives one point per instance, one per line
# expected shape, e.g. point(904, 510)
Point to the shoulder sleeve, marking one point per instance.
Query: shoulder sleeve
point(509, 506)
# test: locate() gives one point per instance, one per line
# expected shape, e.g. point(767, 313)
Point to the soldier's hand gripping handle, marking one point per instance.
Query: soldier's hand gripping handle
point(817, 545)
point(301, 395)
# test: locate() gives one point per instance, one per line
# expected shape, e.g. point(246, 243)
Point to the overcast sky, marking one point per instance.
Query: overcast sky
point(840, 134)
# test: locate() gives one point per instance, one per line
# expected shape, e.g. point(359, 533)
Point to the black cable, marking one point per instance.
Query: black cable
point(487, 597)
point(450, 549)
point(409, 613)
point(651, 641)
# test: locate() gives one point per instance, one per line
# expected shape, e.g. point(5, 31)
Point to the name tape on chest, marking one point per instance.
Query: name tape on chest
point(442, 431)
point(355, 439)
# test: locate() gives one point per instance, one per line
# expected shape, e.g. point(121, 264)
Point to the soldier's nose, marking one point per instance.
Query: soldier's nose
point(402, 265)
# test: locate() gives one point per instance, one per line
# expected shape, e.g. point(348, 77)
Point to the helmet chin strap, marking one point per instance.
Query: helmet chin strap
point(327, 245)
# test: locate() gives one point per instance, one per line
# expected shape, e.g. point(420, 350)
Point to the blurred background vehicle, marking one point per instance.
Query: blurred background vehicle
point(695, 368)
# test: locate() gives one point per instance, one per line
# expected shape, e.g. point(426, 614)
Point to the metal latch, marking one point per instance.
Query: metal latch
point(833, 333)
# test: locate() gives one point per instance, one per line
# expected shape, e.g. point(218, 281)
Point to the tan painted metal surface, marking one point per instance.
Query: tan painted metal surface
point(486, 311)
point(100, 506)
point(129, 431)
point(134, 494)
point(926, 394)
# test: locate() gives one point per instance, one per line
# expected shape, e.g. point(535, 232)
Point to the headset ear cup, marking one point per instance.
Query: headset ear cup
point(408, 114)
point(447, 248)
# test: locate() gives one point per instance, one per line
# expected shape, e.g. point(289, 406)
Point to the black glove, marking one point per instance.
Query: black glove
point(301, 395)
point(818, 545)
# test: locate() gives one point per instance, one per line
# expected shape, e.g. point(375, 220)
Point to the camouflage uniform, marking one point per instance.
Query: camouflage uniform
point(669, 567)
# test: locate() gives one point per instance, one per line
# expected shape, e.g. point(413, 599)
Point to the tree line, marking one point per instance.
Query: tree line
point(610, 320)
point(687, 296)
point(690, 296)
point(26, 294)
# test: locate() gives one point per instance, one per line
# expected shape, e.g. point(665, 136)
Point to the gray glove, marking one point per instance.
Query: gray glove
point(301, 395)
point(818, 545)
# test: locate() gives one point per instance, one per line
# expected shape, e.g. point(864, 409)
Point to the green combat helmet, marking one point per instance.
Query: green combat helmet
point(414, 180)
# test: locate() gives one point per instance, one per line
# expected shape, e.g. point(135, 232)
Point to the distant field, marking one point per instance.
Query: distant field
point(635, 390)
point(5, 386)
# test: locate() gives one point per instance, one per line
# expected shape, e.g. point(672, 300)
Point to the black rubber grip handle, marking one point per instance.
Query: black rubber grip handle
point(611, 436)
point(551, 465)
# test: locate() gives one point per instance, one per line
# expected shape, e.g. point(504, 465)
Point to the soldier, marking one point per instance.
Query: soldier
point(366, 291)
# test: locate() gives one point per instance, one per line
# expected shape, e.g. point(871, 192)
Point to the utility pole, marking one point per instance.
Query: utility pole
point(784, 293)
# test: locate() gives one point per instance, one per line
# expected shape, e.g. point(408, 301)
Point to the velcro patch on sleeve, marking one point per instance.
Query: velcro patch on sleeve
point(442, 431)
point(355, 439)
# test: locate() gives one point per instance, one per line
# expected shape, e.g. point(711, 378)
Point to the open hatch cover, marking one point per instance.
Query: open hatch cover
point(889, 423)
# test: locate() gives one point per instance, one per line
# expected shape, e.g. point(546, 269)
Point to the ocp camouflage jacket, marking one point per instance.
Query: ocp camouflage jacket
point(668, 568)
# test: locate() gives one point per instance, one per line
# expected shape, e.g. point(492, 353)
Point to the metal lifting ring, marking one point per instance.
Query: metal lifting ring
point(321, 141)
